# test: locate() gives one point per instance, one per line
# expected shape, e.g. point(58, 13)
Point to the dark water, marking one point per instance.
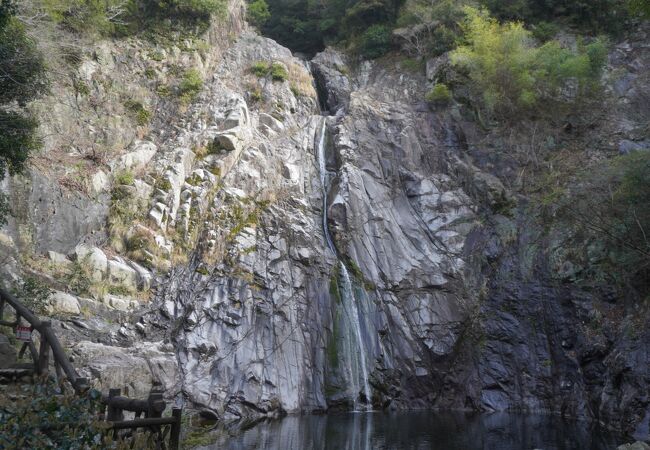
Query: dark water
point(421, 430)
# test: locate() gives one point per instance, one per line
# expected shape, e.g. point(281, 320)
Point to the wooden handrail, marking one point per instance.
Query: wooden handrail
point(48, 341)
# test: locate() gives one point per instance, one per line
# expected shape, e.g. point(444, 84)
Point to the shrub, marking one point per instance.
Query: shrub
point(432, 40)
point(34, 294)
point(87, 16)
point(258, 12)
point(609, 205)
point(193, 8)
point(439, 95)
point(594, 16)
point(126, 178)
point(5, 210)
point(375, 41)
point(191, 85)
point(511, 75)
point(141, 114)
point(260, 69)
point(278, 72)
point(22, 68)
point(72, 420)
point(22, 78)
point(17, 140)
point(545, 31)
point(412, 65)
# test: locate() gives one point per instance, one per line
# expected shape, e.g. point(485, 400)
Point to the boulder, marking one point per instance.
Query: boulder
point(226, 141)
point(61, 302)
point(137, 158)
point(95, 258)
point(638, 445)
point(119, 303)
point(119, 272)
point(99, 182)
point(57, 258)
point(271, 122)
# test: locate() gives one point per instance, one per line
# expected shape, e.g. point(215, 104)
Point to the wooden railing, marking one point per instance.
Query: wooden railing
point(48, 341)
point(163, 432)
point(160, 432)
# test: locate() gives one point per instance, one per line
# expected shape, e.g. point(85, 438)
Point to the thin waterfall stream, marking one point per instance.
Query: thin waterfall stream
point(357, 368)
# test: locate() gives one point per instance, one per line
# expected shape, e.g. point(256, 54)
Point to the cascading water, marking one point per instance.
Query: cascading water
point(353, 340)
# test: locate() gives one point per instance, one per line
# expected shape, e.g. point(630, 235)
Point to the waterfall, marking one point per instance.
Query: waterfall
point(354, 343)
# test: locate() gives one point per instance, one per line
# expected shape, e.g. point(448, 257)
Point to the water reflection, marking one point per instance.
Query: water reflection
point(421, 430)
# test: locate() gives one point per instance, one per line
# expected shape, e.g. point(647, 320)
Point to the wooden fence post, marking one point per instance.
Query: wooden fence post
point(175, 431)
point(42, 367)
point(114, 414)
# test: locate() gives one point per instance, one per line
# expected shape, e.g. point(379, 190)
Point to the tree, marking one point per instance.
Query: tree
point(258, 12)
point(22, 69)
point(510, 74)
point(22, 78)
point(608, 206)
point(375, 42)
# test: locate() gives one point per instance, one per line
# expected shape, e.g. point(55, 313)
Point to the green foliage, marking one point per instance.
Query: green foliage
point(260, 68)
point(609, 206)
point(375, 41)
point(141, 114)
point(306, 26)
point(277, 71)
point(125, 17)
point(511, 75)
point(412, 65)
point(545, 31)
point(445, 14)
point(5, 210)
point(22, 78)
point(439, 95)
point(7, 11)
point(125, 177)
point(79, 278)
point(594, 16)
point(189, 8)
point(22, 418)
point(17, 140)
point(87, 16)
point(34, 294)
point(258, 12)
point(22, 69)
point(190, 85)
point(124, 211)
point(640, 8)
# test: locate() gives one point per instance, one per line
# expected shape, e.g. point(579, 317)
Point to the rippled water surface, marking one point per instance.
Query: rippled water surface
point(421, 430)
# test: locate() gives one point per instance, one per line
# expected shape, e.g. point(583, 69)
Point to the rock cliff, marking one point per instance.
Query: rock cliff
point(219, 281)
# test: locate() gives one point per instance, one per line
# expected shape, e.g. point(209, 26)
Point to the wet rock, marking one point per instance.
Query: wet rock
point(638, 445)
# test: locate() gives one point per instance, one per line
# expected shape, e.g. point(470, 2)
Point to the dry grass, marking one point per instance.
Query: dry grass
point(300, 80)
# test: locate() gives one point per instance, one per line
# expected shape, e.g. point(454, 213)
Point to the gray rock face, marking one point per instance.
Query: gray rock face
point(60, 218)
point(455, 302)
